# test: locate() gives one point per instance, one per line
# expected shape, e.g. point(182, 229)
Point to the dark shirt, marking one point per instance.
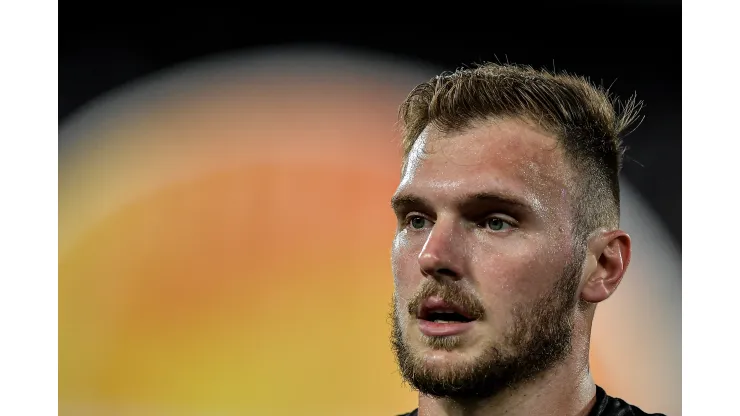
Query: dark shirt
point(605, 406)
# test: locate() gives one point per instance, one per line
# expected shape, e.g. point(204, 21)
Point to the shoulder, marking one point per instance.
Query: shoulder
point(614, 406)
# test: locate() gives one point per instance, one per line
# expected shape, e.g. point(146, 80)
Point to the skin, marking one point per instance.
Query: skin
point(503, 256)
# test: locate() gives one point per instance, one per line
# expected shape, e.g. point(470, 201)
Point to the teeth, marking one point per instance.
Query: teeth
point(443, 311)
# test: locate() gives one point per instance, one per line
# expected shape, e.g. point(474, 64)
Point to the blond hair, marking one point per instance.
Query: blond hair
point(584, 118)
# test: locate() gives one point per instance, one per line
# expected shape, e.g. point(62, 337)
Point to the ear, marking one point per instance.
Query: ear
point(612, 251)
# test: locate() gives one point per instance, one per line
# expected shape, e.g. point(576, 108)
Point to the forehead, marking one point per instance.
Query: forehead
point(505, 155)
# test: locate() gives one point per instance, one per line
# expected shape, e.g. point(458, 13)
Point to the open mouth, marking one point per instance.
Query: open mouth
point(439, 318)
point(445, 316)
point(435, 309)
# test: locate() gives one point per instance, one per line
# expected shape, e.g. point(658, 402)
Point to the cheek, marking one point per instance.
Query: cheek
point(517, 271)
point(405, 265)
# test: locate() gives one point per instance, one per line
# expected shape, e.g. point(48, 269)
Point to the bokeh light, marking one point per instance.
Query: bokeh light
point(224, 247)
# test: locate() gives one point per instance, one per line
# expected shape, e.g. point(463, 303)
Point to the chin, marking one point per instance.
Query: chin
point(443, 351)
point(441, 359)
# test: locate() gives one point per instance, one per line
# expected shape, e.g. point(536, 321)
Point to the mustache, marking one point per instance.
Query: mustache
point(452, 294)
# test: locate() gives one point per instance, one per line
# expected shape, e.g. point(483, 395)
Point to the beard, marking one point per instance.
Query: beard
point(539, 337)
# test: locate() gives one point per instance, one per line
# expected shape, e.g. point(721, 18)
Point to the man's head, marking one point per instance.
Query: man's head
point(508, 216)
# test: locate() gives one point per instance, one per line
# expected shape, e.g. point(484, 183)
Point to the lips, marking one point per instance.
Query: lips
point(439, 318)
point(435, 309)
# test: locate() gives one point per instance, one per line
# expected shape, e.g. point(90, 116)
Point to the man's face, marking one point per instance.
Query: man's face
point(486, 276)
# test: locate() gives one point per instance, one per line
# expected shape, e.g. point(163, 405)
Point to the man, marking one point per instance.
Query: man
point(508, 236)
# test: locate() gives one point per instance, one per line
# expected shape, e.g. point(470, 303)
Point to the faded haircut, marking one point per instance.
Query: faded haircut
point(586, 120)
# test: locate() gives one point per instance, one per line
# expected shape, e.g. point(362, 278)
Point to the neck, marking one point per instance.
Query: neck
point(565, 390)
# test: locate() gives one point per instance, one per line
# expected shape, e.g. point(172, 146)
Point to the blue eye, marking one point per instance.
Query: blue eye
point(497, 224)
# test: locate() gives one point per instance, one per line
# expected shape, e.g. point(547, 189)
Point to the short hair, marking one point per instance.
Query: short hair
point(587, 122)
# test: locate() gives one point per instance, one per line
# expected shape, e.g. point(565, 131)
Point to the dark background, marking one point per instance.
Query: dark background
point(633, 46)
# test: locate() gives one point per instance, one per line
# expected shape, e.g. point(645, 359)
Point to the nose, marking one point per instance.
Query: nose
point(442, 257)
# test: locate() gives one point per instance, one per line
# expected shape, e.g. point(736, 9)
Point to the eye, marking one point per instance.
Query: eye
point(417, 222)
point(497, 224)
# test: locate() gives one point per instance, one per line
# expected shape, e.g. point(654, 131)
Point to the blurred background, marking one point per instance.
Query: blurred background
point(224, 226)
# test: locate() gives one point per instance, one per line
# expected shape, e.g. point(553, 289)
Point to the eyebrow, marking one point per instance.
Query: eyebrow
point(401, 202)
